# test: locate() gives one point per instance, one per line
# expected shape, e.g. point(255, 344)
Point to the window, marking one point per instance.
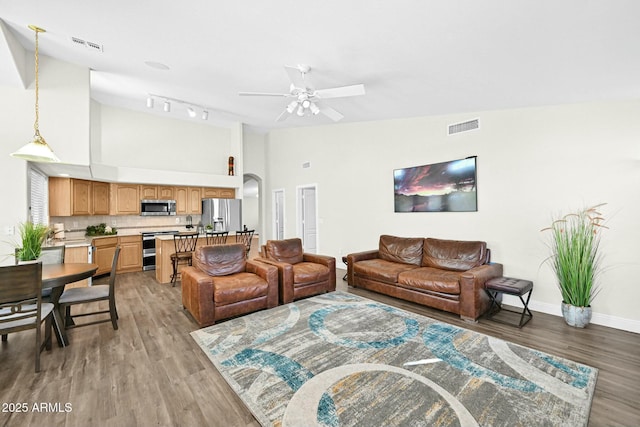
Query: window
point(38, 197)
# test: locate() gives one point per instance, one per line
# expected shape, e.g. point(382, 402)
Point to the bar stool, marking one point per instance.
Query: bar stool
point(510, 286)
point(216, 237)
point(184, 244)
point(245, 237)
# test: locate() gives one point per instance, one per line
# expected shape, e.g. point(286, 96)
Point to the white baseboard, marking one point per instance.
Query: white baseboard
point(597, 318)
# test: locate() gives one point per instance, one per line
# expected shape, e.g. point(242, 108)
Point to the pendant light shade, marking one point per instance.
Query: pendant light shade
point(37, 150)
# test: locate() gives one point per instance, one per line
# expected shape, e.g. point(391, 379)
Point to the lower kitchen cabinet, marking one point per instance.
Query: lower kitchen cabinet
point(103, 255)
point(76, 254)
point(130, 254)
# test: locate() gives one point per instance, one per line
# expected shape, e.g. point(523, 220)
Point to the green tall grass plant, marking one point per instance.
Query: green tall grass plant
point(575, 257)
point(33, 236)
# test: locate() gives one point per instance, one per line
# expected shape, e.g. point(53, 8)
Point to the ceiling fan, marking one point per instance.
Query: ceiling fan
point(306, 99)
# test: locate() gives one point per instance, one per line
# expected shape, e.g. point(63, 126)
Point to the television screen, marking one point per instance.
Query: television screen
point(440, 187)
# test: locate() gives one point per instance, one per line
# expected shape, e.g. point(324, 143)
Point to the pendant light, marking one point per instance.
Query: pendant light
point(37, 150)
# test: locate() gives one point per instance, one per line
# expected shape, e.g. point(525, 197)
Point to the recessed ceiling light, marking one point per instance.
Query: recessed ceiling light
point(157, 65)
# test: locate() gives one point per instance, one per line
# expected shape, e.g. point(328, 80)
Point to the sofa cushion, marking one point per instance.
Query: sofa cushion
point(305, 273)
point(381, 270)
point(430, 279)
point(454, 255)
point(407, 250)
point(288, 250)
point(238, 287)
point(220, 260)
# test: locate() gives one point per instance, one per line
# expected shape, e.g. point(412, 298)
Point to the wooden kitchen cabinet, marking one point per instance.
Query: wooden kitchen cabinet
point(218, 193)
point(103, 255)
point(130, 254)
point(100, 197)
point(188, 200)
point(166, 192)
point(125, 199)
point(70, 196)
point(148, 192)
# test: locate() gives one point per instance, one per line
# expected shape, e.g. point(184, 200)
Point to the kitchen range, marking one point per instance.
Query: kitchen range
point(149, 248)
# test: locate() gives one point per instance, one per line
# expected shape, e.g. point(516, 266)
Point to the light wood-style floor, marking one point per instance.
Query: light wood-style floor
point(150, 372)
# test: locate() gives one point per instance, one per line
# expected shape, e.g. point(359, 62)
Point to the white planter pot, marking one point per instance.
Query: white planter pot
point(578, 317)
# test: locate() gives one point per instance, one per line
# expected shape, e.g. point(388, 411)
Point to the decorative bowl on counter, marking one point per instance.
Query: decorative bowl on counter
point(100, 230)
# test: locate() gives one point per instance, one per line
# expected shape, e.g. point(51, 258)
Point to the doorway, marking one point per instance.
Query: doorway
point(278, 214)
point(308, 218)
point(251, 203)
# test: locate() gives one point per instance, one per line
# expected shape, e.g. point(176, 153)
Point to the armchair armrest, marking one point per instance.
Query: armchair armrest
point(197, 295)
point(355, 257)
point(285, 277)
point(474, 301)
point(327, 261)
point(270, 274)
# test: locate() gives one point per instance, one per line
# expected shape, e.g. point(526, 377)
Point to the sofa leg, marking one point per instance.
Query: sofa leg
point(469, 319)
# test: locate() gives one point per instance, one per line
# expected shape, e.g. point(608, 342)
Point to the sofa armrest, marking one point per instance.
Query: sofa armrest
point(327, 261)
point(197, 295)
point(270, 274)
point(355, 257)
point(474, 301)
point(285, 278)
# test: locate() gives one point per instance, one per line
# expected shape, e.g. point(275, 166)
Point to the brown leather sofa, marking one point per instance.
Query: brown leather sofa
point(222, 283)
point(300, 274)
point(445, 274)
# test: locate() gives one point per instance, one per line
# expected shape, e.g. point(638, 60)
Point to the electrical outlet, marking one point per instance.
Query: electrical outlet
point(177, 220)
point(10, 230)
point(113, 222)
point(75, 224)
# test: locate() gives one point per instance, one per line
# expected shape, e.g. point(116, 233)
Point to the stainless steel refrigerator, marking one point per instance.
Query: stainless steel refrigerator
point(222, 214)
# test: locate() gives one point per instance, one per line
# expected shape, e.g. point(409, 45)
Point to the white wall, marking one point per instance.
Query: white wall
point(255, 163)
point(64, 124)
point(532, 164)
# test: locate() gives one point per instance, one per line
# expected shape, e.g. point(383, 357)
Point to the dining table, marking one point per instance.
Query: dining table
point(56, 277)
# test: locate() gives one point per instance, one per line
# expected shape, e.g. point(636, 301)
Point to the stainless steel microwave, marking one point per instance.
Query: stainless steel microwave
point(157, 207)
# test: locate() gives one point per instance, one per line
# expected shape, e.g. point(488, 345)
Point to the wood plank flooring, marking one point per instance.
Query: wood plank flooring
point(150, 372)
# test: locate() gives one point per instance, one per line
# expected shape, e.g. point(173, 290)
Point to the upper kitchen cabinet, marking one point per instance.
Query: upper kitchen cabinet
point(218, 193)
point(166, 192)
point(148, 192)
point(69, 196)
point(188, 200)
point(125, 199)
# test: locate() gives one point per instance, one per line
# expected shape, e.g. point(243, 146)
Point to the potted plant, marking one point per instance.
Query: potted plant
point(576, 261)
point(32, 237)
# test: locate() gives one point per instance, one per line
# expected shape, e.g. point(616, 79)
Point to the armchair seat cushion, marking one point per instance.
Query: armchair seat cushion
point(238, 287)
point(305, 273)
point(381, 270)
point(430, 279)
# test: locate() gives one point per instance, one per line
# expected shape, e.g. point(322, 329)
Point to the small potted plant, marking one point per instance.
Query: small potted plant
point(32, 237)
point(576, 261)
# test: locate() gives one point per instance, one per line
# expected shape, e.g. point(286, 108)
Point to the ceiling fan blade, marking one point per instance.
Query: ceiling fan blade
point(263, 94)
point(331, 113)
point(283, 116)
point(339, 92)
point(295, 76)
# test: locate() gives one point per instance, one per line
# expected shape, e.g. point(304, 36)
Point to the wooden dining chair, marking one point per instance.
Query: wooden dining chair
point(21, 306)
point(217, 237)
point(184, 244)
point(245, 238)
point(90, 294)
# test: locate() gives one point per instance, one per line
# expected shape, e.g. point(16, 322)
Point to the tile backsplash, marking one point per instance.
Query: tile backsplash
point(75, 226)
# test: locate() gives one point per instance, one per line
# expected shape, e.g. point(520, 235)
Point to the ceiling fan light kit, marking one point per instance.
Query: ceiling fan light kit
point(308, 99)
point(37, 150)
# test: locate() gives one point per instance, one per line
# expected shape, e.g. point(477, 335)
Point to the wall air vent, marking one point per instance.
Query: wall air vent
point(464, 126)
point(89, 45)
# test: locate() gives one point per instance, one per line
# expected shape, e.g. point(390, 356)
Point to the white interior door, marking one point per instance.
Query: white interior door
point(307, 222)
point(278, 214)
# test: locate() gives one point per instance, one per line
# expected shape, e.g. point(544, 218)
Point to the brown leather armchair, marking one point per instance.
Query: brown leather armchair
point(299, 274)
point(222, 283)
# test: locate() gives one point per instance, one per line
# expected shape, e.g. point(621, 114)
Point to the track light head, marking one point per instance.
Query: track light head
point(205, 115)
point(150, 102)
point(191, 112)
point(167, 106)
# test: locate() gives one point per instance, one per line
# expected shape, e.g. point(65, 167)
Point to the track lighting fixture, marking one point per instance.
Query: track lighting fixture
point(190, 108)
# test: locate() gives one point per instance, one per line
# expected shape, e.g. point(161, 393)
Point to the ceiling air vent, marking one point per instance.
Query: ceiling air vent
point(89, 45)
point(464, 126)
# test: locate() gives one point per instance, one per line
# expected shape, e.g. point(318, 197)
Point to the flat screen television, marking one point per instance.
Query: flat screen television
point(439, 187)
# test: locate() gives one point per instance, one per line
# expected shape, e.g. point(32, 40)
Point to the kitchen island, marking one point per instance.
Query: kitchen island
point(165, 247)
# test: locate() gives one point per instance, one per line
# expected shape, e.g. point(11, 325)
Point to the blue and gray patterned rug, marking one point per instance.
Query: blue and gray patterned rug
point(342, 360)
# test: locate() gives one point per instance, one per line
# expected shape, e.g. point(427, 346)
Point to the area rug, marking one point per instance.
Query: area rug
point(342, 360)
